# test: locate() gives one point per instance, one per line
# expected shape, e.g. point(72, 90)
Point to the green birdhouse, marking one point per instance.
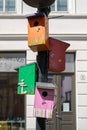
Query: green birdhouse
point(27, 76)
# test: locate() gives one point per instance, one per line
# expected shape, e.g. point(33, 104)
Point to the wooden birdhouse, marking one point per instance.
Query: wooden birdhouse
point(27, 76)
point(38, 32)
point(57, 48)
point(44, 100)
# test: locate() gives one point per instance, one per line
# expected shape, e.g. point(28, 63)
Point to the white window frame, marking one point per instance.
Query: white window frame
point(56, 10)
point(18, 8)
point(4, 10)
point(70, 7)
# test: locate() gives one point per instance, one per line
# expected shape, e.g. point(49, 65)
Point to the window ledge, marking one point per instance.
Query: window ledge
point(51, 16)
point(67, 15)
point(12, 16)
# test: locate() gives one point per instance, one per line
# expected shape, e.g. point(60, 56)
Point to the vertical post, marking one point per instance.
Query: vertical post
point(42, 62)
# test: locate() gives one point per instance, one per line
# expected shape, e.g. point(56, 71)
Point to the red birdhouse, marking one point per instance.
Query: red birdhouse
point(38, 32)
point(57, 50)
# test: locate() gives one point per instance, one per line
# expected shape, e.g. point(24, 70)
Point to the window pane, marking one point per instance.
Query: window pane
point(10, 5)
point(10, 61)
point(62, 5)
point(70, 63)
point(1, 5)
point(66, 93)
point(11, 104)
point(53, 7)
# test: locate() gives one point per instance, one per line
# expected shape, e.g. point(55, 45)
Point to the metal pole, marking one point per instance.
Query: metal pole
point(42, 62)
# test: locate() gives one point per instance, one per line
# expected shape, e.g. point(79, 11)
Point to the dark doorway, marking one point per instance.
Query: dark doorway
point(64, 108)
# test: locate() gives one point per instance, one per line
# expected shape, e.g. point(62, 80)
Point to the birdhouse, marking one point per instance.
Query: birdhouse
point(56, 58)
point(27, 76)
point(38, 32)
point(44, 100)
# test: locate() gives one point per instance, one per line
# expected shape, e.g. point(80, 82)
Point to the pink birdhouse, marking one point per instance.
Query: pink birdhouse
point(57, 50)
point(44, 100)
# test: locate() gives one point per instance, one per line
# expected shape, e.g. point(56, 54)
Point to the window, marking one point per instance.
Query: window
point(7, 5)
point(12, 114)
point(66, 92)
point(59, 5)
point(12, 109)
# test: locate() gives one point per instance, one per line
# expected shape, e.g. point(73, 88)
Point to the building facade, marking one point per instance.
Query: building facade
point(68, 23)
